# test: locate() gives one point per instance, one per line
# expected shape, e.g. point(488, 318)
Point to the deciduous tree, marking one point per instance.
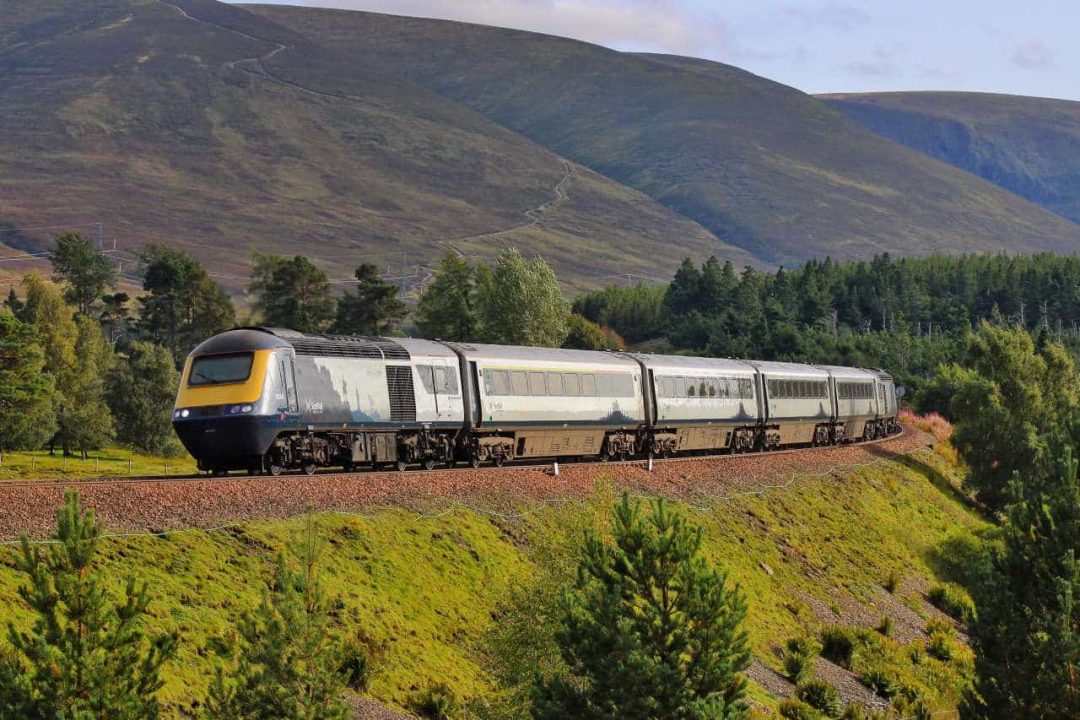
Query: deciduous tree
point(519, 302)
point(650, 629)
point(27, 416)
point(141, 391)
point(445, 310)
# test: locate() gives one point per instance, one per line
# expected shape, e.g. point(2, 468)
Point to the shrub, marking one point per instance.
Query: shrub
point(941, 646)
point(798, 658)
point(438, 702)
point(797, 710)
point(886, 626)
point(838, 645)
point(819, 695)
point(911, 708)
point(952, 600)
point(892, 581)
point(879, 681)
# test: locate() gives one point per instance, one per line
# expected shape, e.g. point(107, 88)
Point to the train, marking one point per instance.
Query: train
point(271, 400)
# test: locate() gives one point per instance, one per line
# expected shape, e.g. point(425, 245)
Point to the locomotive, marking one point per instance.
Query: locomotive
point(275, 400)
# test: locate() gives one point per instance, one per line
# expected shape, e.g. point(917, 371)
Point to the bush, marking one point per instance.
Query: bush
point(819, 695)
point(797, 710)
point(952, 600)
point(941, 646)
point(838, 645)
point(798, 658)
point(886, 626)
point(438, 702)
point(878, 681)
point(892, 581)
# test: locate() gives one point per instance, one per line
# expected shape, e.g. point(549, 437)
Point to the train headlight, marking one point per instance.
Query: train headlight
point(234, 409)
point(245, 408)
point(184, 413)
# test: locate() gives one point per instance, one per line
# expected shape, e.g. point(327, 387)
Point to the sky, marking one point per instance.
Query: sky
point(819, 46)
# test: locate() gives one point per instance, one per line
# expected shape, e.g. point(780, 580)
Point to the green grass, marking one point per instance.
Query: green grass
point(469, 599)
point(108, 462)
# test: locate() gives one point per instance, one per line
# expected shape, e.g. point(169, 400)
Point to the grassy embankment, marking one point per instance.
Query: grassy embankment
point(462, 597)
point(108, 462)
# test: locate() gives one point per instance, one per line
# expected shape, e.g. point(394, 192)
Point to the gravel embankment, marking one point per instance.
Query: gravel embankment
point(165, 505)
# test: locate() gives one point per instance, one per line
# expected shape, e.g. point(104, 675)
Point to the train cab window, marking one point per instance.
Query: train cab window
point(536, 384)
point(571, 384)
point(446, 382)
point(426, 373)
point(519, 383)
point(221, 369)
point(555, 384)
point(588, 385)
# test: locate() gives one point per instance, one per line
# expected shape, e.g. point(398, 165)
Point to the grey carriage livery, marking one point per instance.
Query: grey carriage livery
point(271, 400)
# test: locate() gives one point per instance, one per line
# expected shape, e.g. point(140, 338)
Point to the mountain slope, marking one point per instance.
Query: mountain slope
point(759, 164)
point(202, 125)
point(1028, 145)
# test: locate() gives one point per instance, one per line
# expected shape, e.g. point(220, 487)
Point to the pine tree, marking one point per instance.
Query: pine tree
point(1026, 636)
point(84, 656)
point(83, 269)
point(290, 660)
point(292, 293)
point(88, 422)
point(27, 417)
point(372, 309)
point(445, 310)
point(650, 629)
point(183, 305)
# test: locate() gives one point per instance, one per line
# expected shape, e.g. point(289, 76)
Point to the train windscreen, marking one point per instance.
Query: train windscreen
point(221, 369)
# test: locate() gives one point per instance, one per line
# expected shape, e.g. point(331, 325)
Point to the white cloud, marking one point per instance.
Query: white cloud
point(1032, 55)
point(654, 25)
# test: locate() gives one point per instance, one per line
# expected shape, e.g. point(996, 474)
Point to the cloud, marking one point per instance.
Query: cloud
point(835, 15)
point(654, 25)
point(1032, 55)
point(879, 66)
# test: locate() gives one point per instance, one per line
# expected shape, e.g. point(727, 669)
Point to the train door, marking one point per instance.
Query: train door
point(288, 380)
point(475, 410)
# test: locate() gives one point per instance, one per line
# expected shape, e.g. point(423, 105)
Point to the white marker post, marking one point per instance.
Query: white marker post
point(555, 470)
point(650, 463)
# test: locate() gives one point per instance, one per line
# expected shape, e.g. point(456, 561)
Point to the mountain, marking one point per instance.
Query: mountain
point(1028, 145)
point(202, 125)
point(761, 165)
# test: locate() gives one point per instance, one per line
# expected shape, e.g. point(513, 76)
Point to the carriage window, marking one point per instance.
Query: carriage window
point(667, 387)
point(555, 384)
point(623, 385)
point(536, 384)
point(588, 385)
point(746, 388)
point(571, 385)
point(680, 387)
point(519, 383)
point(703, 389)
point(712, 387)
point(497, 382)
point(691, 391)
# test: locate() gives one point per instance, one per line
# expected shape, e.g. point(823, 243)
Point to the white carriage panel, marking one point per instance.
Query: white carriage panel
point(331, 386)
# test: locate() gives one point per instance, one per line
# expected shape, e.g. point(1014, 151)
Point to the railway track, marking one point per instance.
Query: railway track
point(522, 465)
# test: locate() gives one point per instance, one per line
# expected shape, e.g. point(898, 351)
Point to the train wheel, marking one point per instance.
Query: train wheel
point(499, 460)
point(401, 465)
point(308, 468)
point(474, 461)
point(348, 467)
point(605, 454)
point(429, 463)
point(275, 468)
point(451, 464)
